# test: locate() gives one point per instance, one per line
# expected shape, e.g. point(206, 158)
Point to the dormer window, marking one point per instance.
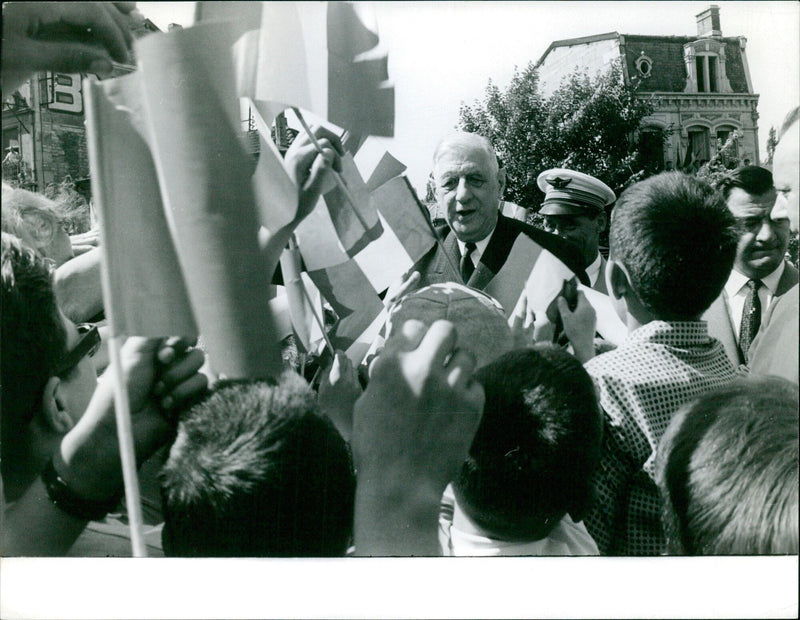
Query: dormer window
point(644, 65)
point(706, 66)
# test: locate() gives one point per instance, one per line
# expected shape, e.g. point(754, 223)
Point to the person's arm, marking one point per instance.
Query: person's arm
point(412, 430)
point(311, 173)
point(159, 377)
point(67, 37)
point(339, 390)
point(606, 522)
point(78, 287)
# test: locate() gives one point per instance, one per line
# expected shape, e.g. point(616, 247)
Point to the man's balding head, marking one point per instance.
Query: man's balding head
point(469, 184)
point(466, 140)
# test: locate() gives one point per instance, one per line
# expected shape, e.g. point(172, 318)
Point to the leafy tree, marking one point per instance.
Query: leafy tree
point(772, 142)
point(588, 124)
point(724, 160)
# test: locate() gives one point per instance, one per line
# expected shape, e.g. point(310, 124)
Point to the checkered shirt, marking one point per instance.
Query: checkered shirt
point(658, 368)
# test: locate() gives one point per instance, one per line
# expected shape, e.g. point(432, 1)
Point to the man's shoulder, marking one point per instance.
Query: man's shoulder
point(789, 278)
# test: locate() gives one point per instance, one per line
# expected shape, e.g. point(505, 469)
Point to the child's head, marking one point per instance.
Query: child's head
point(536, 448)
point(47, 376)
point(676, 239)
point(257, 471)
point(727, 467)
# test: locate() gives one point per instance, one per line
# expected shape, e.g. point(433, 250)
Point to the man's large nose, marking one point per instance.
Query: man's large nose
point(766, 232)
point(463, 191)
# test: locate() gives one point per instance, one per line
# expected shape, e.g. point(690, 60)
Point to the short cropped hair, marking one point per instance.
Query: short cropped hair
point(536, 448)
point(473, 140)
point(677, 240)
point(32, 217)
point(754, 180)
point(33, 337)
point(727, 468)
point(257, 471)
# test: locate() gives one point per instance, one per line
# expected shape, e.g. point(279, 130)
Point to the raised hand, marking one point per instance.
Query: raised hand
point(68, 37)
point(412, 430)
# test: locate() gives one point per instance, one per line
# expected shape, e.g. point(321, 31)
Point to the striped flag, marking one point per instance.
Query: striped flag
point(324, 58)
point(147, 295)
point(205, 180)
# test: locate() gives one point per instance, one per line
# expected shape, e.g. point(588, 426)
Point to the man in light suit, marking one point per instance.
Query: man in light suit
point(775, 351)
point(574, 208)
point(478, 239)
point(760, 274)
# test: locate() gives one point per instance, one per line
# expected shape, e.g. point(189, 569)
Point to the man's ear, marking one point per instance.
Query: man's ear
point(54, 408)
point(501, 182)
point(602, 221)
point(618, 279)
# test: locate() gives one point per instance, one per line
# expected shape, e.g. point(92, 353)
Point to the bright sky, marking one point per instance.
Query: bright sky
point(444, 53)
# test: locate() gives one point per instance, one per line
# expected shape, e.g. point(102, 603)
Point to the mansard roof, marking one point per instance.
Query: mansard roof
point(666, 52)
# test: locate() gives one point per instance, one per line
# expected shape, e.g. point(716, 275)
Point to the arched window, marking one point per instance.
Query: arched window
point(698, 150)
point(723, 133)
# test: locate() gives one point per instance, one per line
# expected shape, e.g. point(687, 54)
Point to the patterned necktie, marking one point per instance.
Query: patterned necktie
point(751, 316)
point(467, 266)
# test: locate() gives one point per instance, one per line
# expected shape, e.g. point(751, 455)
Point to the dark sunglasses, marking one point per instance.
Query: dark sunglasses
point(87, 346)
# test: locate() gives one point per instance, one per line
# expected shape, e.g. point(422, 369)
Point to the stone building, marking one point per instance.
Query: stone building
point(44, 136)
point(700, 87)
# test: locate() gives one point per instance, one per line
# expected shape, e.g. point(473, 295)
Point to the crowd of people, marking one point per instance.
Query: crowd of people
point(469, 430)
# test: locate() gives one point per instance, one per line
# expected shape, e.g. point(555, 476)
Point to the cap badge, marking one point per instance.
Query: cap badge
point(558, 182)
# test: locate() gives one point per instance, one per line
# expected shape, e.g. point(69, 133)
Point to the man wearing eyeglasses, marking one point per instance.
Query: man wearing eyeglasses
point(761, 274)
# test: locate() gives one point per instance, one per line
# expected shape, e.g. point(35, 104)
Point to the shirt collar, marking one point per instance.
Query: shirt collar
point(737, 281)
point(676, 333)
point(480, 245)
point(593, 270)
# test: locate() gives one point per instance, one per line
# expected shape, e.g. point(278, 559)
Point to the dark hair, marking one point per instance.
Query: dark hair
point(754, 180)
point(33, 338)
point(677, 240)
point(537, 446)
point(728, 471)
point(256, 471)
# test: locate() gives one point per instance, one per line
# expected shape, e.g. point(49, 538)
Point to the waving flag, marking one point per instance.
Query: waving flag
point(359, 95)
point(354, 217)
point(205, 181)
point(324, 59)
point(146, 295)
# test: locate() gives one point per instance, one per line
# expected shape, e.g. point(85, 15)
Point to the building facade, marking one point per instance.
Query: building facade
point(44, 134)
point(700, 87)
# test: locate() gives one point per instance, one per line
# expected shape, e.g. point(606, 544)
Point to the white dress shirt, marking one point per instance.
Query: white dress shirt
point(736, 292)
point(480, 248)
point(593, 270)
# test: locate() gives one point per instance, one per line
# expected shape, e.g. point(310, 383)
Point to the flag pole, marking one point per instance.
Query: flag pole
point(122, 408)
point(336, 176)
point(127, 455)
point(328, 343)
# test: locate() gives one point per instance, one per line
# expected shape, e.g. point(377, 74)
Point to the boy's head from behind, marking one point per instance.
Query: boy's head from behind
point(536, 448)
point(674, 240)
point(257, 471)
point(727, 467)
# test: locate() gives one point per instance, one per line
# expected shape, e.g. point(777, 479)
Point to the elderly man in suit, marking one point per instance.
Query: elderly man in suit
point(478, 239)
point(574, 208)
point(775, 350)
point(760, 274)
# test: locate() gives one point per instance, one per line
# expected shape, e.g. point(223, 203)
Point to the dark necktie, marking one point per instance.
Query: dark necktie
point(751, 316)
point(467, 266)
